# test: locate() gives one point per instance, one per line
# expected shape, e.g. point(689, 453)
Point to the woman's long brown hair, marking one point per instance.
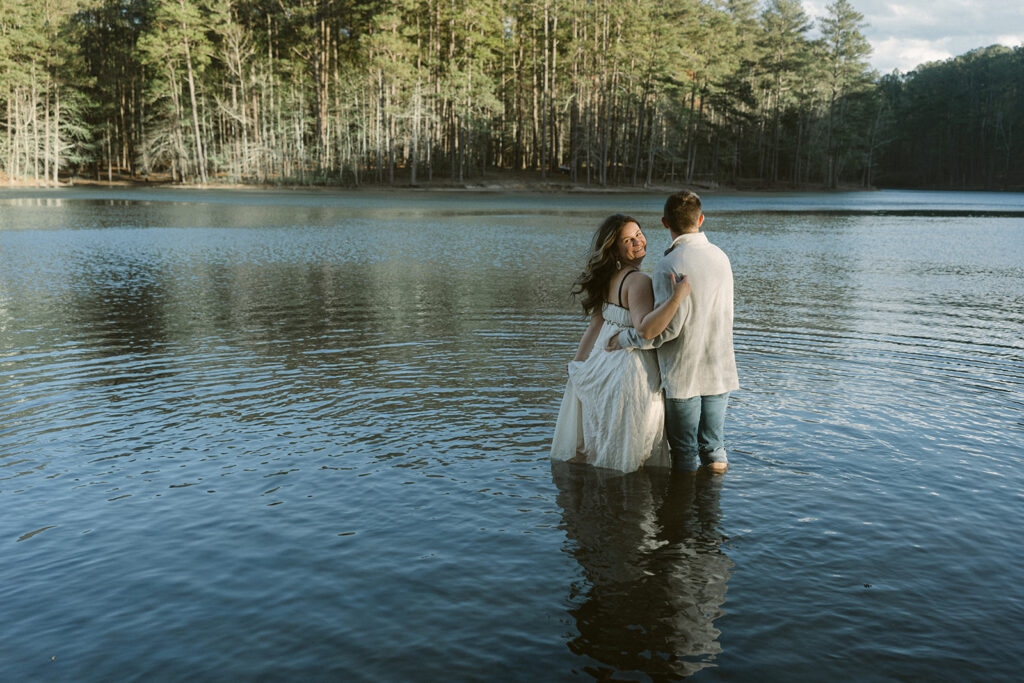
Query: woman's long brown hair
point(592, 283)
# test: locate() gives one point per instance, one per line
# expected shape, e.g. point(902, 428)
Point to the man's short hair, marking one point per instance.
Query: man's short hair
point(682, 211)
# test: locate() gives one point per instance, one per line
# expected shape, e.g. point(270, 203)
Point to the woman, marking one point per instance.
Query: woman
point(612, 413)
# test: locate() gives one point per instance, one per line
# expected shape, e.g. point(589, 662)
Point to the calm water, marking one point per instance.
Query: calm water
point(303, 436)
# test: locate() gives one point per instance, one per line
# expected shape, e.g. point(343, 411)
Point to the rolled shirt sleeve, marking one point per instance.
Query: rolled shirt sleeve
point(630, 338)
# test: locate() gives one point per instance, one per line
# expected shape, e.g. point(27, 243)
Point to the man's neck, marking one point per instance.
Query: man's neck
point(676, 235)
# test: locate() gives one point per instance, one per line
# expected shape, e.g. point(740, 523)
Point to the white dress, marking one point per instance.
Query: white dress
point(612, 414)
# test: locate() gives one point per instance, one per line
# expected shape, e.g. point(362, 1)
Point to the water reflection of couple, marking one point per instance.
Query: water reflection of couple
point(654, 575)
point(653, 371)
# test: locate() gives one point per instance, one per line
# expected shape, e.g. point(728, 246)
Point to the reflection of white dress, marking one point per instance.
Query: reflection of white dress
point(612, 414)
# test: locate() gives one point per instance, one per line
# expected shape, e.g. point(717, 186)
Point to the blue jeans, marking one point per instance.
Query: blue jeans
point(695, 428)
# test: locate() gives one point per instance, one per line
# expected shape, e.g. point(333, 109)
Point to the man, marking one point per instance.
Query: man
point(698, 366)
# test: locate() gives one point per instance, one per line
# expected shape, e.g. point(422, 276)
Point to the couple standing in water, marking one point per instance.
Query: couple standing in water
point(651, 378)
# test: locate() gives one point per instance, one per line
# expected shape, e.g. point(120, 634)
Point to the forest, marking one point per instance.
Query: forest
point(404, 92)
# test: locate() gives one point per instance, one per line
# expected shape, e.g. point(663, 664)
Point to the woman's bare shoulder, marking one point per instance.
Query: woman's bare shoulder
point(638, 284)
point(638, 278)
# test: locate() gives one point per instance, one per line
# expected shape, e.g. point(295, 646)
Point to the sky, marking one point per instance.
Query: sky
point(907, 33)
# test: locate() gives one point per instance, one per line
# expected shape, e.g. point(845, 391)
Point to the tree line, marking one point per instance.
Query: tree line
point(349, 92)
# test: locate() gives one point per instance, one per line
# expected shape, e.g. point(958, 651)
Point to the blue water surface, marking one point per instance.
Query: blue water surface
point(285, 435)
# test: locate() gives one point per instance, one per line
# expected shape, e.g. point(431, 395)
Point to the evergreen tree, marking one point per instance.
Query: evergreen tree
point(612, 92)
point(786, 55)
point(846, 52)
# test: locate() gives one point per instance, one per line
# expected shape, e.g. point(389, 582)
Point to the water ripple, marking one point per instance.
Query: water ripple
point(235, 440)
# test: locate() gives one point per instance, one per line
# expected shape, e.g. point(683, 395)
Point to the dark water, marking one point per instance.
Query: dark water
point(303, 436)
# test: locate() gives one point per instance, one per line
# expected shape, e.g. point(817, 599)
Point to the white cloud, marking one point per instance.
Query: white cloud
point(894, 18)
point(815, 9)
point(907, 33)
point(905, 54)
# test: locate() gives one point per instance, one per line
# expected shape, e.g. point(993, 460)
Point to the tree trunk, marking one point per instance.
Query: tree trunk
point(178, 138)
point(56, 135)
point(200, 158)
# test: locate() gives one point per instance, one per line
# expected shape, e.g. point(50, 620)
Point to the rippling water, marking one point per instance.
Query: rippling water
point(303, 436)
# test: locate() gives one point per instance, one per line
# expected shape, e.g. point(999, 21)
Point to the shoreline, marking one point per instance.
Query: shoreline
point(480, 186)
point(500, 182)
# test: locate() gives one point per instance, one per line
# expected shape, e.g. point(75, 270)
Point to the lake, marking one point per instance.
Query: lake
point(287, 435)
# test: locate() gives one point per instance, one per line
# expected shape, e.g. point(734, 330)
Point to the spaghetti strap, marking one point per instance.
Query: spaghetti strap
point(622, 282)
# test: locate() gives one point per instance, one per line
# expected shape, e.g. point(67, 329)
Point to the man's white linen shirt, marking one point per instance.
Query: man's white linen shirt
point(695, 352)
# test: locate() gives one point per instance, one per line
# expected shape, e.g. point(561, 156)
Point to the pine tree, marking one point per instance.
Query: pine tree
point(846, 52)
